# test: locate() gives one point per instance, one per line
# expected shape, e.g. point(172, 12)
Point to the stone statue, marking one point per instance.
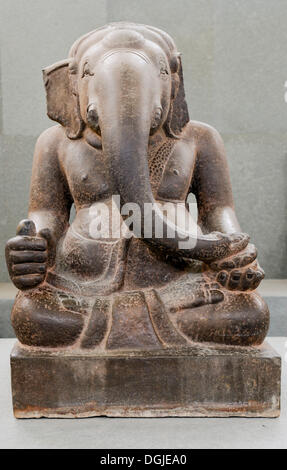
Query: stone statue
point(135, 306)
point(125, 130)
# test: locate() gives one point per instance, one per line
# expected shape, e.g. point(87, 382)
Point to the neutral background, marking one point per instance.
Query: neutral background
point(235, 68)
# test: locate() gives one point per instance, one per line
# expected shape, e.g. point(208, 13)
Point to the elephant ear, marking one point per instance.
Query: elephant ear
point(62, 99)
point(178, 115)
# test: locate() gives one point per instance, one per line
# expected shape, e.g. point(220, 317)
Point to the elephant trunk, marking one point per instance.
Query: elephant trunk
point(126, 145)
point(126, 114)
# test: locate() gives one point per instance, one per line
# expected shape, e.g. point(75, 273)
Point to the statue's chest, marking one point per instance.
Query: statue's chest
point(87, 173)
point(171, 168)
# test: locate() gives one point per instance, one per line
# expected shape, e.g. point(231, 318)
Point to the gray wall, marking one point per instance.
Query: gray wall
point(235, 67)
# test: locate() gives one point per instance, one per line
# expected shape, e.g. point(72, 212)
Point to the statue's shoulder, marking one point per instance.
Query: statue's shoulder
point(204, 137)
point(51, 139)
point(200, 132)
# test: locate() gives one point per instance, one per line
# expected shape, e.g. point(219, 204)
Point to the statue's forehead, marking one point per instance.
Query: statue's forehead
point(123, 38)
point(147, 50)
point(123, 35)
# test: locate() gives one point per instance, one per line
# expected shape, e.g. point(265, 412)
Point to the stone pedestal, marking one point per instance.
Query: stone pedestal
point(201, 381)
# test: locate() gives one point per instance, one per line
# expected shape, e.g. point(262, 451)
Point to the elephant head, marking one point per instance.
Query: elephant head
point(123, 83)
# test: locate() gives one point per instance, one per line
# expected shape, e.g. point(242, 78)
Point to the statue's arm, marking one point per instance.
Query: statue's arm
point(211, 184)
point(50, 200)
point(32, 251)
point(212, 188)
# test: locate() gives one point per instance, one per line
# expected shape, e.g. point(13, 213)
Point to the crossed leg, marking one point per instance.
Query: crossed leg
point(204, 311)
point(47, 317)
point(199, 308)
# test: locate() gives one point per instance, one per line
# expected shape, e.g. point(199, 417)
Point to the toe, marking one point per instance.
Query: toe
point(216, 296)
point(234, 281)
point(259, 275)
point(222, 277)
point(248, 279)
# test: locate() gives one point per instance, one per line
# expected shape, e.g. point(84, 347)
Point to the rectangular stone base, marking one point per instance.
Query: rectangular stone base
point(204, 381)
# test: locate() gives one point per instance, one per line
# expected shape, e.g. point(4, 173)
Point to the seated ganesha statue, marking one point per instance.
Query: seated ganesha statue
point(124, 130)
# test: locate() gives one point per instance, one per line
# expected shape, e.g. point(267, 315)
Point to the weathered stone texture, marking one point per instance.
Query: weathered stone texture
point(206, 381)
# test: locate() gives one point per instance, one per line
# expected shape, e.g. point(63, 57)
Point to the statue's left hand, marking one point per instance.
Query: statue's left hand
point(240, 271)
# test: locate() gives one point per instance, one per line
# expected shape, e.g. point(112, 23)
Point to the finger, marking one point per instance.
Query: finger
point(28, 256)
point(29, 268)
point(26, 227)
point(239, 241)
point(248, 255)
point(27, 281)
point(226, 264)
point(218, 235)
point(46, 234)
point(28, 243)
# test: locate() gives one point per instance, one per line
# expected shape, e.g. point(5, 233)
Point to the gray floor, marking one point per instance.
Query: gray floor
point(113, 433)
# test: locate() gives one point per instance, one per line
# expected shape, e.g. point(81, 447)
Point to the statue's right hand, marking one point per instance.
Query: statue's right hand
point(216, 245)
point(26, 256)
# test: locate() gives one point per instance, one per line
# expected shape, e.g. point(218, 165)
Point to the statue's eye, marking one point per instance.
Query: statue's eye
point(156, 118)
point(163, 71)
point(158, 113)
point(86, 70)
